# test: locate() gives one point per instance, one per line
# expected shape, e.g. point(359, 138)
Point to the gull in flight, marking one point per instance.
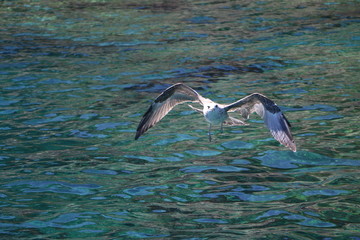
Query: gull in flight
point(217, 114)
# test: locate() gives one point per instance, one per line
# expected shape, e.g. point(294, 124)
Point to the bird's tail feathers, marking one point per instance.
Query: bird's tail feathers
point(234, 122)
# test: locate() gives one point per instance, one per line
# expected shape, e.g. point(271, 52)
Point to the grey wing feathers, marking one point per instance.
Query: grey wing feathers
point(167, 100)
point(273, 118)
point(195, 109)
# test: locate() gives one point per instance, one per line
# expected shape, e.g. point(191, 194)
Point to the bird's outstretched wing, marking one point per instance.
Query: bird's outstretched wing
point(274, 119)
point(167, 100)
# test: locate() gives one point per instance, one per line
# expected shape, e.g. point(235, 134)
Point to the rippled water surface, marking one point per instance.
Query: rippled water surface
point(76, 77)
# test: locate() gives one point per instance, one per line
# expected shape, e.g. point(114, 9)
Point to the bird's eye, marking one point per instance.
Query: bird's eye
point(208, 106)
point(216, 106)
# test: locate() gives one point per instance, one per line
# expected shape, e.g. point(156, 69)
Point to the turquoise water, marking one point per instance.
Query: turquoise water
point(76, 78)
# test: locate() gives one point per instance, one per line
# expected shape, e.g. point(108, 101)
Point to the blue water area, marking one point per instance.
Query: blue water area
point(77, 77)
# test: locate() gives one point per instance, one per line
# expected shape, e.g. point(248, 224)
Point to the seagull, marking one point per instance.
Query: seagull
point(217, 114)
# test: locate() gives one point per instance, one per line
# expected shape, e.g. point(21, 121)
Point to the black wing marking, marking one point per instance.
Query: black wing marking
point(167, 100)
point(274, 119)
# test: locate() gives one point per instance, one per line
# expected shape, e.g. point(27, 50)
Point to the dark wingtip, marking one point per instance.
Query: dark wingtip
point(137, 137)
point(139, 132)
point(141, 129)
